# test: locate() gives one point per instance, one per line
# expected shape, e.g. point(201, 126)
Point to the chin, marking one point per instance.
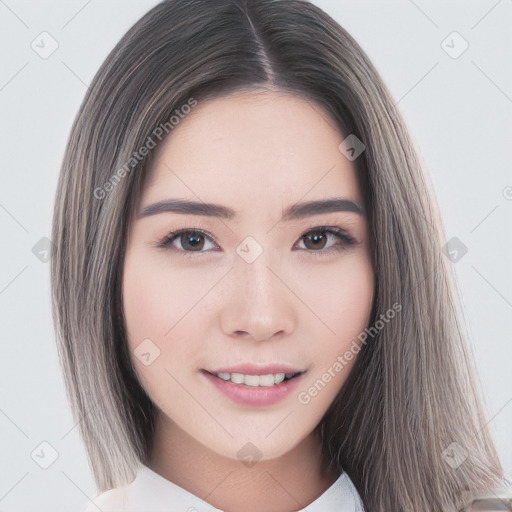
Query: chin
point(255, 447)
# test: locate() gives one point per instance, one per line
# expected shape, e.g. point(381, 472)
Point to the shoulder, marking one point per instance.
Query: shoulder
point(108, 501)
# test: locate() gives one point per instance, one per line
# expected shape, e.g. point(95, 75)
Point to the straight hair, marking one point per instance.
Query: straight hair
point(413, 391)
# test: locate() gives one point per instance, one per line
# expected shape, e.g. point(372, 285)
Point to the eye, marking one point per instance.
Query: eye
point(188, 240)
point(316, 240)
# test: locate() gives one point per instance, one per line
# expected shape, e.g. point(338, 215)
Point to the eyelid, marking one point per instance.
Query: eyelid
point(173, 235)
point(347, 239)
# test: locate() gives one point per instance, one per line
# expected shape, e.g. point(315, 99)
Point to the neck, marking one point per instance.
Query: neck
point(285, 484)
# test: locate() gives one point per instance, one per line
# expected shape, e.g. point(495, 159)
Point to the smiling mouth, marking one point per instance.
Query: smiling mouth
point(267, 380)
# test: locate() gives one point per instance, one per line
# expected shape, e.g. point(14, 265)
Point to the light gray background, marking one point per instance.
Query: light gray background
point(459, 111)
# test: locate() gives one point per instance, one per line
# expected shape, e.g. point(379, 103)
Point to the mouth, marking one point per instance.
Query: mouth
point(256, 380)
point(256, 386)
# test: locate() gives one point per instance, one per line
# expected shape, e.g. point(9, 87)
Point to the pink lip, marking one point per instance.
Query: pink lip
point(254, 395)
point(252, 369)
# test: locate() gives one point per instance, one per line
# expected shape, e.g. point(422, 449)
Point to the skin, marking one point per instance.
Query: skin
point(256, 152)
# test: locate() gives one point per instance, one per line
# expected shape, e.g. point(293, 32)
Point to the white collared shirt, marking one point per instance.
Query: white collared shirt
point(150, 492)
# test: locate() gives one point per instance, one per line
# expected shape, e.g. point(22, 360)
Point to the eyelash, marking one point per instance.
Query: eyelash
point(346, 240)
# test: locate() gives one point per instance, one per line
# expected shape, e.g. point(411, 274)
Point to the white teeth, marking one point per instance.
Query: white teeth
point(237, 378)
point(255, 380)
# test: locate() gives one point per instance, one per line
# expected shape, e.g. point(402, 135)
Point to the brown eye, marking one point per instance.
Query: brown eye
point(186, 241)
point(191, 239)
point(316, 240)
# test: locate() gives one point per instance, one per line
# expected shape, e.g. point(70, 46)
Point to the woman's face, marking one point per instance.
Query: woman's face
point(260, 285)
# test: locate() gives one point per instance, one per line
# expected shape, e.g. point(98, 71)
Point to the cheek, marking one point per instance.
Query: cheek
point(155, 298)
point(340, 297)
point(157, 304)
point(352, 300)
point(163, 306)
point(342, 305)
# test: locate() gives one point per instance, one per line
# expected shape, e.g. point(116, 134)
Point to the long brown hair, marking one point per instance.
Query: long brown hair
point(412, 393)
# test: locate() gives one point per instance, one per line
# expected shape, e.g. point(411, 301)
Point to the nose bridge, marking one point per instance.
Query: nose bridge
point(256, 276)
point(259, 304)
point(253, 261)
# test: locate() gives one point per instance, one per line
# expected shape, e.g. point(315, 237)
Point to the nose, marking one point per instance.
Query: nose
point(258, 304)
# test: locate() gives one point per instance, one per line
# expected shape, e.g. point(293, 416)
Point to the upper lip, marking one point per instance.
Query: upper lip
point(254, 369)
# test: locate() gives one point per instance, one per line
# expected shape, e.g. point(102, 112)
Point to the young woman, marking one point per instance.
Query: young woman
point(253, 308)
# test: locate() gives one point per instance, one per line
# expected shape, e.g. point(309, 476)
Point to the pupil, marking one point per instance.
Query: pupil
point(194, 240)
point(317, 239)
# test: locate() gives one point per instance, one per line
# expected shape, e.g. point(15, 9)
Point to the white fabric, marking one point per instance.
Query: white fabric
point(150, 492)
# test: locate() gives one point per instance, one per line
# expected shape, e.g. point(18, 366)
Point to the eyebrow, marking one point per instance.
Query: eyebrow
point(293, 212)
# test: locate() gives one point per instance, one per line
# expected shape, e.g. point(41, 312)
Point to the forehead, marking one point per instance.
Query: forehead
point(253, 148)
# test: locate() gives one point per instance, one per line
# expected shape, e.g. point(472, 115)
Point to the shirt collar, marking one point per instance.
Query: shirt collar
point(152, 492)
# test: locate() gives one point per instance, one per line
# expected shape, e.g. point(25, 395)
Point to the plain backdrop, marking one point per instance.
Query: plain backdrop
point(457, 102)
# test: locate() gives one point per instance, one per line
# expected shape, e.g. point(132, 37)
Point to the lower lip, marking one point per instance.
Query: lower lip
point(254, 395)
